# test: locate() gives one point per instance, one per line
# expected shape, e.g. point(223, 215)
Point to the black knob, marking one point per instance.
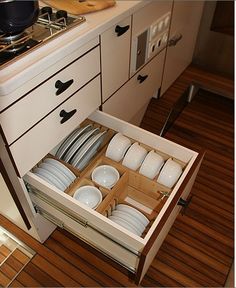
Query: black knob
point(46, 9)
point(61, 14)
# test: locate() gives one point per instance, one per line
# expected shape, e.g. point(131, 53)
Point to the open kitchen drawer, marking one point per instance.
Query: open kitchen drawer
point(134, 252)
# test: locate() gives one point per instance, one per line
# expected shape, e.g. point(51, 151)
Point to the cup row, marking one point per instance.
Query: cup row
point(149, 164)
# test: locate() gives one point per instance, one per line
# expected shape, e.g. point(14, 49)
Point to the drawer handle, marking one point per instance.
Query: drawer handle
point(61, 87)
point(142, 78)
point(184, 204)
point(121, 30)
point(66, 115)
point(175, 40)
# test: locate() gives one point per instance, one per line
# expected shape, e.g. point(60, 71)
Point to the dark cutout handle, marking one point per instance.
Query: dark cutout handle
point(66, 115)
point(142, 78)
point(61, 87)
point(121, 30)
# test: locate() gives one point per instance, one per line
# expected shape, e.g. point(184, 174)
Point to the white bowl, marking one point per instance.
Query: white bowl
point(151, 165)
point(117, 147)
point(105, 175)
point(134, 156)
point(170, 173)
point(88, 195)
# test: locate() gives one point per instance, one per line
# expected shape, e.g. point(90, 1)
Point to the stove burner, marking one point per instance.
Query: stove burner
point(13, 43)
point(49, 25)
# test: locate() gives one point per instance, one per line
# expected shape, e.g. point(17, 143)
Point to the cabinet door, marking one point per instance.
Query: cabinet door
point(115, 54)
point(132, 97)
point(185, 22)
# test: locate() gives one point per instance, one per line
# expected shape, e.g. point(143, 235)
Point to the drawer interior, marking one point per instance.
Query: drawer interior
point(132, 188)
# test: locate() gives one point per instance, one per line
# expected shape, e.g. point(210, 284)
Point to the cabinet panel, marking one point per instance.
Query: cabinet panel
point(115, 54)
point(20, 117)
point(186, 17)
point(38, 141)
point(128, 100)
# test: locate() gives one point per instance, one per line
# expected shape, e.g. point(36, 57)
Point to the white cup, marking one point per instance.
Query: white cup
point(117, 147)
point(151, 165)
point(170, 173)
point(134, 156)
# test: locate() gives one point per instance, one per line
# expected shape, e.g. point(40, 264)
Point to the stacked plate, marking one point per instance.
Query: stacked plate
point(129, 218)
point(55, 173)
point(80, 146)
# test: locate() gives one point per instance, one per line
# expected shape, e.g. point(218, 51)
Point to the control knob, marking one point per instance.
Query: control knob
point(46, 9)
point(61, 14)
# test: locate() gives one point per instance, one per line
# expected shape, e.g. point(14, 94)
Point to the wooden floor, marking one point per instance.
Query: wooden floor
point(199, 249)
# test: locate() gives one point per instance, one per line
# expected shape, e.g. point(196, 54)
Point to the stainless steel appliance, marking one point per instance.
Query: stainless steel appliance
point(50, 24)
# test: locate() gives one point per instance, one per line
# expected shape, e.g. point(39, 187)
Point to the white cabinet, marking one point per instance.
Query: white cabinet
point(185, 21)
point(115, 55)
point(134, 96)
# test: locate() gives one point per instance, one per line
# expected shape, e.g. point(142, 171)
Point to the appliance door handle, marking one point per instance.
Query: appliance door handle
point(61, 87)
point(121, 30)
point(173, 41)
point(141, 78)
point(66, 115)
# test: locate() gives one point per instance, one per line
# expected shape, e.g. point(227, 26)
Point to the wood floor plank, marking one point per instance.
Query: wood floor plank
point(4, 250)
point(207, 240)
point(203, 268)
point(8, 271)
point(186, 269)
point(61, 275)
point(88, 256)
point(200, 256)
point(40, 276)
point(27, 280)
point(4, 280)
point(89, 271)
point(20, 256)
point(201, 246)
point(16, 283)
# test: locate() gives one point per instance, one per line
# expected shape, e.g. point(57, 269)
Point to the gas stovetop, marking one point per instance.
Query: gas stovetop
point(49, 25)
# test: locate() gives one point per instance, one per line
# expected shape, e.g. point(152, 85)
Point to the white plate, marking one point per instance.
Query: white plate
point(134, 212)
point(51, 178)
point(71, 139)
point(88, 150)
point(124, 224)
point(130, 219)
point(61, 167)
point(76, 146)
point(56, 172)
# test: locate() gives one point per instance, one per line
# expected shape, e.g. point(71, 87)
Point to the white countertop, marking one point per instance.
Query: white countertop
point(19, 72)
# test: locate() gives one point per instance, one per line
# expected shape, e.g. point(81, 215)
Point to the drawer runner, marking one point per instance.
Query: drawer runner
point(62, 225)
point(80, 220)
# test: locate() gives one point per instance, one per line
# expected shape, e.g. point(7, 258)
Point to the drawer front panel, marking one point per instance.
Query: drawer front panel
point(88, 234)
point(33, 107)
point(42, 138)
point(125, 103)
